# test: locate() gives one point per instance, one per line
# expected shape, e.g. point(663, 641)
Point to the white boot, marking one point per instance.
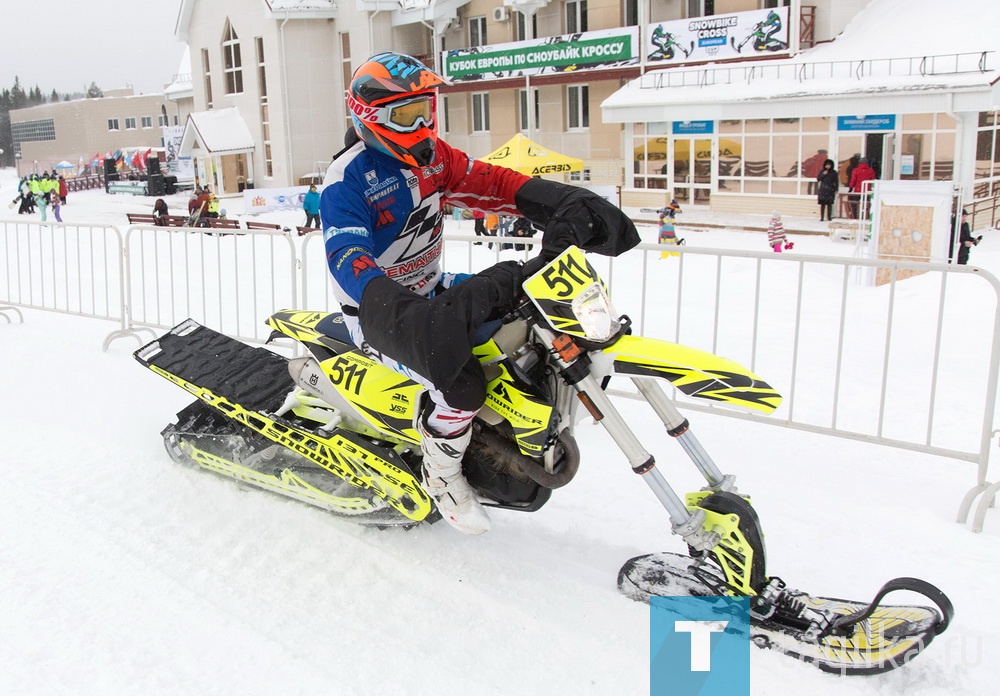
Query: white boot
point(443, 480)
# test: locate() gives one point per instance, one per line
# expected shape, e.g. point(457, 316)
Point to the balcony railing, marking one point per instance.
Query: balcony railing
point(923, 66)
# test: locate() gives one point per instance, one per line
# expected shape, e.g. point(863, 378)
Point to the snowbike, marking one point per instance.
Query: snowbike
point(337, 429)
point(762, 36)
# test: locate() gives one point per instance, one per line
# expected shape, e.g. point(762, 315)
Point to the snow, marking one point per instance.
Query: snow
point(124, 573)
point(221, 131)
point(885, 29)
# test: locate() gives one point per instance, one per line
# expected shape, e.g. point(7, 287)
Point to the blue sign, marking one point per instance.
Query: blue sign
point(693, 127)
point(699, 646)
point(877, 122)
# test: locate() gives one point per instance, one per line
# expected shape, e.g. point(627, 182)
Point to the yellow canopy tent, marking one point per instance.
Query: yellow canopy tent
point(530, 158)
point(656, 149)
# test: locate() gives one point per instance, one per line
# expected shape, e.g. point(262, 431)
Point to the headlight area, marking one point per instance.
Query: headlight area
point(596, 315)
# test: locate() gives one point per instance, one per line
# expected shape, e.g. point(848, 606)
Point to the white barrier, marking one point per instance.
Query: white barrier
point(230, 281)
point(799, 321)
point(62, 267)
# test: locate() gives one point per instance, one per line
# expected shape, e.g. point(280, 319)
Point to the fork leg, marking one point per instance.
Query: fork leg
point(677, 427)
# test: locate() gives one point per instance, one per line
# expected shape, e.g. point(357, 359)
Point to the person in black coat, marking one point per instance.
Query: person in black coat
point(965, 239)
point(827, 185)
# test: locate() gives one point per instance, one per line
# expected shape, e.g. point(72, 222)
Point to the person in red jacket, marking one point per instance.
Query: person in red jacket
point(382, 211)
point(862, 173)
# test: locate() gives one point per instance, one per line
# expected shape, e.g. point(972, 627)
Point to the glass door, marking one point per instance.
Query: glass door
point(692, 172)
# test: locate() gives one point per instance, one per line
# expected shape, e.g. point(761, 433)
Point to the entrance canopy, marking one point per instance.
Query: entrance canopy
point(527, 157)
point(216, 132)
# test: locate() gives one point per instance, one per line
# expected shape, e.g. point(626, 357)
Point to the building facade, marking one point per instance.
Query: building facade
point(75, 131)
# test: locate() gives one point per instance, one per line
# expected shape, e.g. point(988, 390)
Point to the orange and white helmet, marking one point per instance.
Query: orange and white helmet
point(393, 101)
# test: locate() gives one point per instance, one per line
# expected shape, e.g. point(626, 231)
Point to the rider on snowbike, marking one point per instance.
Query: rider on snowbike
point(382, 219)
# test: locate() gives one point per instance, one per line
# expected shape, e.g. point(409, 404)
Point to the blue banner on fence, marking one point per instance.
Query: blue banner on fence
point(699, 646)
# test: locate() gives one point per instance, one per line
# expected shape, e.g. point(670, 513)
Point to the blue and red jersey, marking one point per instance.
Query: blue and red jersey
point(382, 217)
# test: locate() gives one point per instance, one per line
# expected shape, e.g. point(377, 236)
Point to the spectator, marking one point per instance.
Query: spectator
point(667, 234)
point(492, 222)
point(63, 189)
point(160, 212)
point(522, 228)
point(310, 204)
point(479, 224)
point(862, 173)
point(965, 239)
point(42, 201)
point(56, 202)
point(828, 183)
point(776, 234)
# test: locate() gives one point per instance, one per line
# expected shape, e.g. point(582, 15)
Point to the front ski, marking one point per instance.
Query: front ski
point(839, 636)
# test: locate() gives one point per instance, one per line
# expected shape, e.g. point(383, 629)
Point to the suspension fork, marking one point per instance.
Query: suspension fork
point(576, 372)
point(678, 427)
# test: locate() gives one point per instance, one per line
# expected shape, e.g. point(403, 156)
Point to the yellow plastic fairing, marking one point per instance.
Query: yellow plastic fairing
point(694, 372)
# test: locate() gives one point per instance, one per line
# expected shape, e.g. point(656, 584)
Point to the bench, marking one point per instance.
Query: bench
point(225, 224)
point(175, 220)
point(141, 219)
point(303, 231)
point(262, 225)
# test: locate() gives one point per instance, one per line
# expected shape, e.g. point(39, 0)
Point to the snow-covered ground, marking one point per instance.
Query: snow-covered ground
point(123, 573)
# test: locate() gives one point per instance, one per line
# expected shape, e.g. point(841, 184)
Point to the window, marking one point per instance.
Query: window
point(580, 176)
point(207, 76)
point(630, 10)
point(34, 131)
point(522, 32)
point(480, 112)
point(147, 121)
point(522, 100)
point(130, 123)
point(477, 31)
point(445, 117)
point(576, 16)
point(578, 104)
point(232, 62)
point(701, 8)
point(265, 111)
point(162, 120)
point(112, 124)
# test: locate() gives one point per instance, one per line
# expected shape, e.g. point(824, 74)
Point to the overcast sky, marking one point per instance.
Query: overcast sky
point(67, 44)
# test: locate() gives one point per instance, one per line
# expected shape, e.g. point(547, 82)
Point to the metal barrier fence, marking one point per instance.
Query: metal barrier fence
point(62, 267)
point(231, 282)
point(888, 364)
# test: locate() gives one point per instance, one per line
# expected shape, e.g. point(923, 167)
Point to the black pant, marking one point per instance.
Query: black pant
point(313, 217)
point(826, 211)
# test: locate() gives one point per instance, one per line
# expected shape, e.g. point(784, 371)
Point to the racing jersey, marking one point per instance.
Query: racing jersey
point(382, 217)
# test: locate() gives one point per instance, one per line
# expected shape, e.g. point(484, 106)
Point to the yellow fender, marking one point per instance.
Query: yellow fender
point(696, 373)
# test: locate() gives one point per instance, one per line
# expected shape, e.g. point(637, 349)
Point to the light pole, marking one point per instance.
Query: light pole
point(17, 164)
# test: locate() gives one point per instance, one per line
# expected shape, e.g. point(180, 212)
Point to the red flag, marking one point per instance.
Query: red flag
point(137, 160)
point(145, 157)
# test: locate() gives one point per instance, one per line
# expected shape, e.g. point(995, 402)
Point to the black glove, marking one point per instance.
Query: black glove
point(573, 215)
point(435, 336)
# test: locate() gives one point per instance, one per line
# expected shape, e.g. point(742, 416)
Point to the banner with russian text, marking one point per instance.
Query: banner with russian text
point(590, 50)
point(730, 36)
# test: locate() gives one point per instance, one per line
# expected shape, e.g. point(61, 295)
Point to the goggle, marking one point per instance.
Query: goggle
point(409, 115)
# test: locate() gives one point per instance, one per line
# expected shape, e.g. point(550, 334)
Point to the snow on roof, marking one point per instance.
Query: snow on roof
point(220, 132)
point(301, 5)
point(181, 85)
point(879, 57)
